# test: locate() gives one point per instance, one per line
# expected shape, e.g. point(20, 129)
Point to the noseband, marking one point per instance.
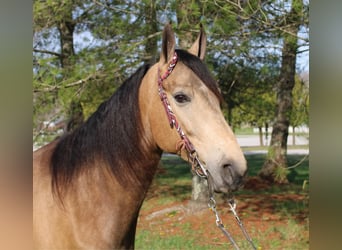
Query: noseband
point(184, 143)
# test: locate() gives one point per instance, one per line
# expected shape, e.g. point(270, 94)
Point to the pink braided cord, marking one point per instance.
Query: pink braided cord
point(185, 142)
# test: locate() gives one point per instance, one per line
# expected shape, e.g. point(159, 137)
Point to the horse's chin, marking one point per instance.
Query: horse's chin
point(226, 188)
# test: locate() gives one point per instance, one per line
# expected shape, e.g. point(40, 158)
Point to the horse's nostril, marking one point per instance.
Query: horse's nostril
point(229, 168)
point(227, 165)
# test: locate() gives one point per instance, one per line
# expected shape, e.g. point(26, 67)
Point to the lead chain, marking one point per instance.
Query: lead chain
point(219, 224)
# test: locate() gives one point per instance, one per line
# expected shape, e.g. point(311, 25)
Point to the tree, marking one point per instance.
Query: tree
point(248, 93)
point(55, 25)
point(81, 56)
point(151, 21)
point(259, 34)
point(275, 166)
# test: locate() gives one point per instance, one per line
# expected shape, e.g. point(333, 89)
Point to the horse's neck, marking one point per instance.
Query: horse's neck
point(104, 211)
point(100, 212)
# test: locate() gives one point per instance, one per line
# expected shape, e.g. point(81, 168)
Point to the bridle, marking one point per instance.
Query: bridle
point(197, 165)
point(184, 143)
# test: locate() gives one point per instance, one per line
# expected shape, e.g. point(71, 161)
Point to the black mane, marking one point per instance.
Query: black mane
point(112, 133)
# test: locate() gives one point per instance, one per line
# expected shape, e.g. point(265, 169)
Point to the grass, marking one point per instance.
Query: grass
point(291, 232)
point(155, 240)
point(173, 184)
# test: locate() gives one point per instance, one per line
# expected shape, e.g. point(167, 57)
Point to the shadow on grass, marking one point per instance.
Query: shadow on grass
point(173, 180)
point(174, 167)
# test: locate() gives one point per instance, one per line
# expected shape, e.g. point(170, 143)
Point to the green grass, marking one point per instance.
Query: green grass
point(173, 184)
point(152, 240)
point(155, 240)
point(289, 233)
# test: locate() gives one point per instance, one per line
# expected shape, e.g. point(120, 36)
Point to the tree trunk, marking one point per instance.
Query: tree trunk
point(275, 166)
point(151, 46)
point(266, 133)
point(75, 115)
point(294, 136)
point(66, 29)
point(261, 136)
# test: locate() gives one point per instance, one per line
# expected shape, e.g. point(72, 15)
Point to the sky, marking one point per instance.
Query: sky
point(303, 62)
point(302, 58)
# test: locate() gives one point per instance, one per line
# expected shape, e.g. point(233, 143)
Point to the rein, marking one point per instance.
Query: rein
point(196, 164)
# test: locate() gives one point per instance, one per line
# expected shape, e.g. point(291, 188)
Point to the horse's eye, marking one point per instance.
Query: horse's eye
point(181, 98)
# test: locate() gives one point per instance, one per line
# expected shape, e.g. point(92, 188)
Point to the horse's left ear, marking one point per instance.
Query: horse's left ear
point(168, 44)
point(200, 45)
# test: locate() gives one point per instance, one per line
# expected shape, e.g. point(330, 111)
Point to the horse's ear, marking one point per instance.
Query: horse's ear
point(168, 44)
point(200, 45)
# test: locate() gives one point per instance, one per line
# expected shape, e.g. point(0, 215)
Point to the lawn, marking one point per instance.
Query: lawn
point(276, 217)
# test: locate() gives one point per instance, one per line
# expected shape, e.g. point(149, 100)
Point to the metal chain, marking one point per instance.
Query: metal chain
point(197, 165)
point(232, 205)
point(219, 223)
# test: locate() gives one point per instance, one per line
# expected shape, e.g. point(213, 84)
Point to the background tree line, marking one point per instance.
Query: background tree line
point(83, 50)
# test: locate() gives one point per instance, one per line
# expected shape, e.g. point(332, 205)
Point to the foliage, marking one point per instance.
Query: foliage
point(110, 39)
point(300, 106)
point(104, 53)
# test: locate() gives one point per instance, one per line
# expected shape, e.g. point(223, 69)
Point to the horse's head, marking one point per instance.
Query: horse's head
point(195, 101)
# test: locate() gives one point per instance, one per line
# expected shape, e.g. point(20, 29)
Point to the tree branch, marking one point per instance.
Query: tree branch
point(111, 7)
point(48, 52)
point(73, 84)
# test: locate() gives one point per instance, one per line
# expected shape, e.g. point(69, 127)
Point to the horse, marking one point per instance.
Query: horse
point(89, 184)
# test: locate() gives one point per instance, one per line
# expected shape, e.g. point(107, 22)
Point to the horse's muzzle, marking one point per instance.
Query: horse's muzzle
point(233, 178)
point(230, 179)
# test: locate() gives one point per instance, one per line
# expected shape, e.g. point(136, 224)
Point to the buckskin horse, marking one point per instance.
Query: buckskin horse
point(89, 185)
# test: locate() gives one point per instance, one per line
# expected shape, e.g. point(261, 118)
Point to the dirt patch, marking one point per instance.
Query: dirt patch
point(256, 184)
point(274, 221)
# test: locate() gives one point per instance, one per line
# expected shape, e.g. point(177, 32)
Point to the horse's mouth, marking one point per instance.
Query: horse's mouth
point(226, 185)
